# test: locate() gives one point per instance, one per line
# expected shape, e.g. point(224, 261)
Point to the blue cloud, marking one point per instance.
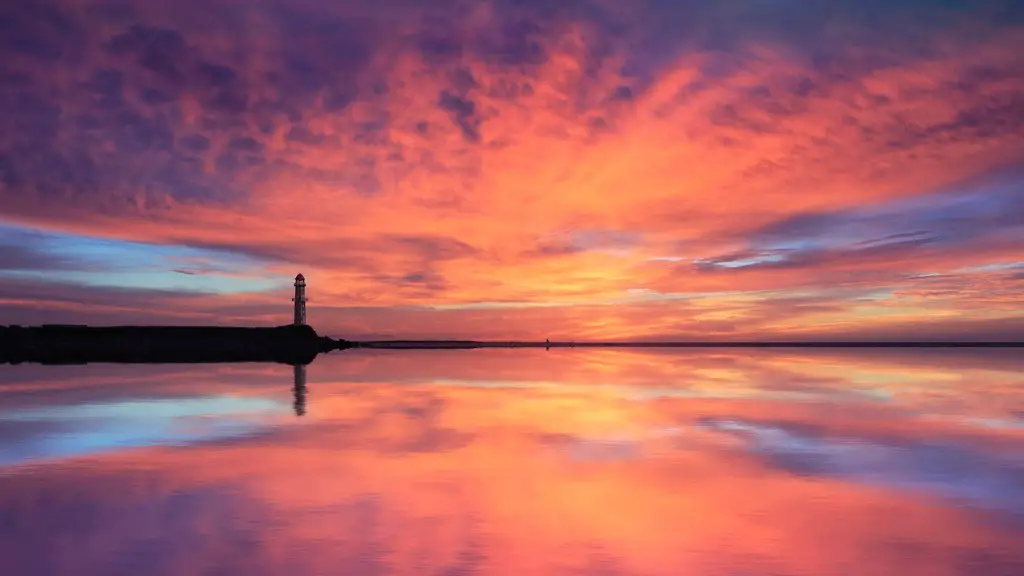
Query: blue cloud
point(92, 261)
point(947, 220)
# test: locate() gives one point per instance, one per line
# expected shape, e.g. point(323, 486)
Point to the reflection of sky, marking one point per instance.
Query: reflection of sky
point(76, 430)
point(951, 470)
point(494, 462)
point(698, 390)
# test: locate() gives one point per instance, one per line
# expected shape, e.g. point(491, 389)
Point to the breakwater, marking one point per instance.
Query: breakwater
point(73, 344)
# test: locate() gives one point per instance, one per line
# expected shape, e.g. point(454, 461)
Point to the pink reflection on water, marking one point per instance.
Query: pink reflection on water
point(520, 462)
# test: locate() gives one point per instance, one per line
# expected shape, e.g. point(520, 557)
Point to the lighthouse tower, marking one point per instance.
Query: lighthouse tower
point(300, 300)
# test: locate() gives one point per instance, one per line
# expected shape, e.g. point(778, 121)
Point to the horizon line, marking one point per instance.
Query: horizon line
point(458, 343)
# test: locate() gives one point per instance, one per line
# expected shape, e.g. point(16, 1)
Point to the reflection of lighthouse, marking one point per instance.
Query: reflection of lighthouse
point(300, 389)
point(300, 300)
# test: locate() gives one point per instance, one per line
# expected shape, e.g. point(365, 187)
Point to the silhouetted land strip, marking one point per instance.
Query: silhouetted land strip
point(470, 344)
point(300, 344)
point(70, 344)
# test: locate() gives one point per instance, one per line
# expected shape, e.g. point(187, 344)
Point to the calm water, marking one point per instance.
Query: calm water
point(519, 462)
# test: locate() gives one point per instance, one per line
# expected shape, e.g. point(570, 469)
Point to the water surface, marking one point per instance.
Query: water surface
point(519, 462)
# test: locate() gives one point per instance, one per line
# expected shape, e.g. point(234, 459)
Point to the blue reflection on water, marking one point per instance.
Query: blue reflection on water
point(75, 430)
point(951, 470)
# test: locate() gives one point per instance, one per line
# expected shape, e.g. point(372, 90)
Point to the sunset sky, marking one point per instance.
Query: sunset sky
point(584, 169)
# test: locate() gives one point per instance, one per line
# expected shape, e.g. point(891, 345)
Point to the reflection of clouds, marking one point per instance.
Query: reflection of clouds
point(383, 418)
point(119, 526)
point(950, 470)
point(610, 447)
point(956, 383)
point(696, 389)
point(75, 430)
point(1000, 423)
point(596, 450)
point(491, 505)
point(592, 449)
point(404, 465)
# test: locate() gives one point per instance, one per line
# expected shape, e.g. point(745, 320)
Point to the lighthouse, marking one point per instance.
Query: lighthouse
point(299, 371)
point(300, 300)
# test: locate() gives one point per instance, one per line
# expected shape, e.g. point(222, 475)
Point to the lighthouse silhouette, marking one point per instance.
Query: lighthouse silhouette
point(300, 300)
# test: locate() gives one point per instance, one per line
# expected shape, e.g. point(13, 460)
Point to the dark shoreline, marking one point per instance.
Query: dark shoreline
point(72, 344)
point(300, 344)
